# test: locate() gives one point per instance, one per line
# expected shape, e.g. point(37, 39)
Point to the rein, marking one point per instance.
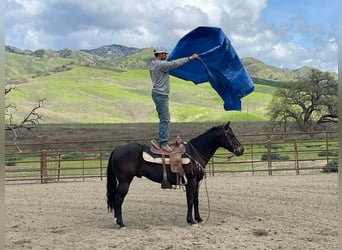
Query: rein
point(206, 191)
point(225, 157)
point(198, 155)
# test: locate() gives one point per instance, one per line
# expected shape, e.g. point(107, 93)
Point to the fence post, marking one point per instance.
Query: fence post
point(43, 167)
point(101, 170)
point(252, 156)
point(296, 158)
point(83, 168)
point(327, 147)
point(211, 166)
point(269, 154)
point(59, 165)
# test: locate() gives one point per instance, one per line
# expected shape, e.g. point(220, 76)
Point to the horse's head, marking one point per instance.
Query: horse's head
point(229, 141)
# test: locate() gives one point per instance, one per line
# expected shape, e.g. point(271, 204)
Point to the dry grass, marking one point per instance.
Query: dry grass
point(136, 131)
point(67, 132)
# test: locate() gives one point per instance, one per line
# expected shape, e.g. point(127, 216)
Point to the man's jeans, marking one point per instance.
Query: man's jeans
point(162, 107)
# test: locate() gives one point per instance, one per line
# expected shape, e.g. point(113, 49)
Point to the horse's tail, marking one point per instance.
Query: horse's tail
point(111, 184)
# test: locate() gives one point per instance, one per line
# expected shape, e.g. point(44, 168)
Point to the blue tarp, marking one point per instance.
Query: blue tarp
point(218, 64)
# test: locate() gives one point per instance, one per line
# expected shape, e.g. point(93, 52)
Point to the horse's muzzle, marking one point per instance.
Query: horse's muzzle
point(239, 151)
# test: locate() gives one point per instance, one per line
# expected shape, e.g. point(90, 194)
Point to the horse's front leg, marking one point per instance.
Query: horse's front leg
point(196, 204)
point(190, 195)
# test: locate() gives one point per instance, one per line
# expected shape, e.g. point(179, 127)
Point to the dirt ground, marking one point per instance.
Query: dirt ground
point(255, 212)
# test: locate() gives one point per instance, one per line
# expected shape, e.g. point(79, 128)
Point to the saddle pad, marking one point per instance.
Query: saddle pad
point(159, 160)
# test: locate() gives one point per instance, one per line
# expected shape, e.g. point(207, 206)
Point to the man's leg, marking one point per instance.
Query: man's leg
point(162, 106)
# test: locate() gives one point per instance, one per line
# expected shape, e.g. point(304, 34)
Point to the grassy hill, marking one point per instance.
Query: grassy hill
point(27, 66)
point(88, 88)
point(100, 95)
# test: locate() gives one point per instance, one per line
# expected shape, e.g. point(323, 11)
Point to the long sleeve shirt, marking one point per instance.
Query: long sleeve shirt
point(159, 72)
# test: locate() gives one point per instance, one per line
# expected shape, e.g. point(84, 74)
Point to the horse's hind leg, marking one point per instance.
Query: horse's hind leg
point(119, 198)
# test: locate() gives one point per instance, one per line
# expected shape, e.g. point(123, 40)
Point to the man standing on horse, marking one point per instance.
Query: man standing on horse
point(159, 72)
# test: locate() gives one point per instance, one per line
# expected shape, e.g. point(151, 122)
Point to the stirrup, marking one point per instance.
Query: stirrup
point(184, 180)
point(167, 148)
point(155, 144)
point(165, 184)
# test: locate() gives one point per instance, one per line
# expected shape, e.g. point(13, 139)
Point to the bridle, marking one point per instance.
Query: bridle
point(229, 138)
point(199, 158)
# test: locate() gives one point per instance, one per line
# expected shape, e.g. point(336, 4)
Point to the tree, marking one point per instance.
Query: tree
point(308, 102)
point(29, 122)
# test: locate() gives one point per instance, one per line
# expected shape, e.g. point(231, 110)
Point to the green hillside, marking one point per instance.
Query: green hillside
point(100, 95)
point(28, 66)
point(91, 88)
point(139, 60)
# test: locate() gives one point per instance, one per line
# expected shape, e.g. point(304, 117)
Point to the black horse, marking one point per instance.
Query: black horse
point(126, 162)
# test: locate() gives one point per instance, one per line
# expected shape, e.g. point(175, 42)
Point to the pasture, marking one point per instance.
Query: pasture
point(245, 212)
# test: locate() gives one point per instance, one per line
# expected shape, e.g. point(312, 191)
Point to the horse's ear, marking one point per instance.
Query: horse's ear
point(227, 125)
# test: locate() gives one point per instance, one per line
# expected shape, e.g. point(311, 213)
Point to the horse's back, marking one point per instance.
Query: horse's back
point(127, 151)
point(130, 146)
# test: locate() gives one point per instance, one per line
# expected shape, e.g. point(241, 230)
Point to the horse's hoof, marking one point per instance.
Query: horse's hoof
point(119, 223)
point(120, 226)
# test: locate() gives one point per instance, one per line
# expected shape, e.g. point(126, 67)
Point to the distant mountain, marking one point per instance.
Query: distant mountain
point(113, 51)
point(260, 70)
point(15, 50)
point(122, 58)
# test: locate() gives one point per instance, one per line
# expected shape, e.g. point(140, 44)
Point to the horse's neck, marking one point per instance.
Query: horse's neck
point(206, 145)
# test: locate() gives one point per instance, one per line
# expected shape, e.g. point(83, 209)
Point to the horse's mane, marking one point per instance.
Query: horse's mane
point(209, 131)
point(212, 129)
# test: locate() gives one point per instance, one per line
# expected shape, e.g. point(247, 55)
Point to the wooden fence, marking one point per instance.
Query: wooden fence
point(265, 154)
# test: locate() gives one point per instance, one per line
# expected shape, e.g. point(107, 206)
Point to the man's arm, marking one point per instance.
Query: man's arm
point(169, 65)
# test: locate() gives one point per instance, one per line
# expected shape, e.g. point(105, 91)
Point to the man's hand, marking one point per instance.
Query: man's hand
point(194, 56)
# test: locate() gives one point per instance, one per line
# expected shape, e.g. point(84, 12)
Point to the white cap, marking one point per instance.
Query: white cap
point(160, 50)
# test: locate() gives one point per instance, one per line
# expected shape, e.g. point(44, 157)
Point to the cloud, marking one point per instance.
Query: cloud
point(148, 21)
point(80, 24)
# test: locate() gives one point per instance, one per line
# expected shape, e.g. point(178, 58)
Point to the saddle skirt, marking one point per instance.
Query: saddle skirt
point(159, 160)
point(174, 158)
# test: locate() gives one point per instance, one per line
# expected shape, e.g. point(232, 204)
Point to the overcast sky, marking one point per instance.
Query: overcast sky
point(283, 33)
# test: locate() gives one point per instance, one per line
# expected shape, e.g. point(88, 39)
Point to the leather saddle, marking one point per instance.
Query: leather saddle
point(174, 158)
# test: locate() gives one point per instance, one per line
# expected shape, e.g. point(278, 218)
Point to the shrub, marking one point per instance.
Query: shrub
point(12, 160)
point(331, 167)
point(330, 153)
point(72, 156)
point(276, 157)
point(76, 156)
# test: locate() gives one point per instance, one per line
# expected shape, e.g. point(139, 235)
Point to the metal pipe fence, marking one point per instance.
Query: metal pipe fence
point(265, 154)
